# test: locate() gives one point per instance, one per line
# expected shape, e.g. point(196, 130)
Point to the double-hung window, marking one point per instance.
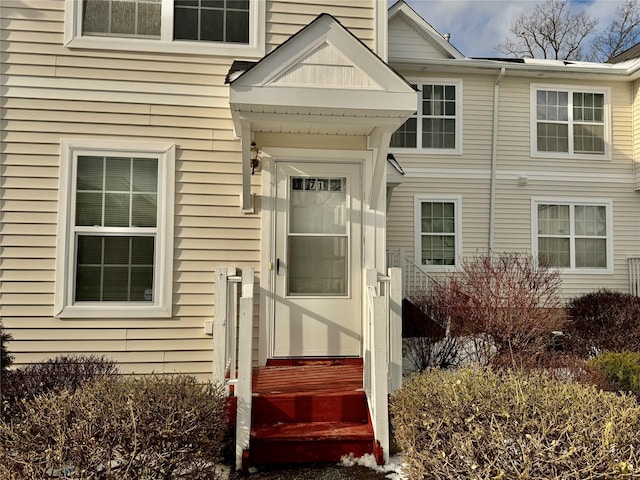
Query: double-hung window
point(573, 235)
point(197, 26)
point(437, 123)
point(438, 231)
point(570, 121)
point(116, 230)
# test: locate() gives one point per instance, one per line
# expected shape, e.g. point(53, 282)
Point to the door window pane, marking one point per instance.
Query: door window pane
point(317, 266)
point(318, 205)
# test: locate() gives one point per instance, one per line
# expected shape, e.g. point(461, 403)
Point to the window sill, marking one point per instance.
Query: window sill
point(114, 311)
point(570, 156)
point(158, 46)
point(425, 151)
point(585, 271)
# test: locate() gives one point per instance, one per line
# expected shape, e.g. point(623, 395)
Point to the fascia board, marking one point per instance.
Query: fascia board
point(301, 97)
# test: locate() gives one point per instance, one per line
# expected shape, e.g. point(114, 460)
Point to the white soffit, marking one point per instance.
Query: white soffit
point(324, 78)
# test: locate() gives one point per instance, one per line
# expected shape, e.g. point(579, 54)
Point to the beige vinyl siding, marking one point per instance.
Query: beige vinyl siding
point(286, 17)
point(407, 44)
point(51, 92)
point(468, 176)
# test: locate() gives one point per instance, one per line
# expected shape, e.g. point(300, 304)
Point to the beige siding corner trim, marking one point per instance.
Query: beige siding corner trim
point(64, 305)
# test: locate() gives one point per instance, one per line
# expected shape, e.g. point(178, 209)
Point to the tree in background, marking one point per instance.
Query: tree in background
point(622, 34)
point(553, 31)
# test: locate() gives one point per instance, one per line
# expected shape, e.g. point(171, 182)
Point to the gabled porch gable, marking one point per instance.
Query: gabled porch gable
point(325, 81)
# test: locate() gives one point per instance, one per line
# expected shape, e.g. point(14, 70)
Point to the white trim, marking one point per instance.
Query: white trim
point(417, 230)
point(570, 89)
point(572, 202)
point(65, 258)
point(165, 44)
point(532, 175)
point(458, 149)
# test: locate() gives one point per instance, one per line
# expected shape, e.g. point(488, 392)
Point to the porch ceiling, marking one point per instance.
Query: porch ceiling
point(310, 120)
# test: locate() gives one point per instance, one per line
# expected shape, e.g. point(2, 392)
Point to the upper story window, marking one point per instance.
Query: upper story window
point(575, 235)
point(220, 27)
point(116, 230)
point(438, 121)
point(570, 121)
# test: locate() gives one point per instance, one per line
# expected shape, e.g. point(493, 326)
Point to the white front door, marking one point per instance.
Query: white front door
point(318, 267)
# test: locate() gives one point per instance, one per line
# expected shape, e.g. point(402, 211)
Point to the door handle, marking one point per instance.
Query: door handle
point(277, 266)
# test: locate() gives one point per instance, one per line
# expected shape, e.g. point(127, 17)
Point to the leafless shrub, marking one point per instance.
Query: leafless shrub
point(506, 306)
point(54, 375)
point(118, 428)
point(479, 424)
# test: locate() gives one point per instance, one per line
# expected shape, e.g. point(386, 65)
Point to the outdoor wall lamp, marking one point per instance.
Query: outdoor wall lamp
point(254, 157)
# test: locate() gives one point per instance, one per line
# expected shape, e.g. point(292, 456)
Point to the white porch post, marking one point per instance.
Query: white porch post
point(219, 366)
point(245, 348)
point(395, 329)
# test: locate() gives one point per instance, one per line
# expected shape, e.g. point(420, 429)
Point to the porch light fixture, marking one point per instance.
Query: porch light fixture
point(254, 153)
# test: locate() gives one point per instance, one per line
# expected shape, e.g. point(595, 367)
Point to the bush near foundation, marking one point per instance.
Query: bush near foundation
point(479, 424)
point(506, 307)
point(53, 375)
point(5, 358)
point(622, 370)
point(603, 321)
point(158, 427)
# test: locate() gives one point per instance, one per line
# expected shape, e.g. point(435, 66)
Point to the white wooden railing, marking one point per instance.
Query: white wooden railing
point(414, 279)
point(382, 336)
point(634, 276)
point(233, 320)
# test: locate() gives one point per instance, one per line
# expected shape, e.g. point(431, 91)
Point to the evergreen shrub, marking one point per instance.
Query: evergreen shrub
point(622, 370)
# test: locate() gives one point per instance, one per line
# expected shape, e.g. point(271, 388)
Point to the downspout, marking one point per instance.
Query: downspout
point(494, 161)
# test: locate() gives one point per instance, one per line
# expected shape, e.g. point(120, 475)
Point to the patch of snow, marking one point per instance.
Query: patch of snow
point(393, 468)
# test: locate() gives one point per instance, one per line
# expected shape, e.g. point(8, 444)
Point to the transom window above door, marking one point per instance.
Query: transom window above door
point(437, 124)
point(197, 26)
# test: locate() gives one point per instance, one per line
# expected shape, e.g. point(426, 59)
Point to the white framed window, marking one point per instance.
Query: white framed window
point(115, 229)
point(438, 231)
point(573, 234)
point(214, 27)
point(437, 125)
point(571, 122)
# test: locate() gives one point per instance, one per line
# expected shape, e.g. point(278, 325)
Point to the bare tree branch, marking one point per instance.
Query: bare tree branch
point(623, 33)
point(551, 31)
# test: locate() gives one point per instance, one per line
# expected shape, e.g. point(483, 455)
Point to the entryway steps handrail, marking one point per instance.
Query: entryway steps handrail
point(415, 281)
point(382, 341)
point(634, 276)
point(232, 362)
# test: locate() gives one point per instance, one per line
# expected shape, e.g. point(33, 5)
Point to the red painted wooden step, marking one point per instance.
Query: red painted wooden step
point(309, 411)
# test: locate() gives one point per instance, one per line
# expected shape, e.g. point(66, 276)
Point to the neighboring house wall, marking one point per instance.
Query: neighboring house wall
point(467, 176)
point(53, 93)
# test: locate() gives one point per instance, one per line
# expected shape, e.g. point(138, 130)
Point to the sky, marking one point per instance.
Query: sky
point(478, 26)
